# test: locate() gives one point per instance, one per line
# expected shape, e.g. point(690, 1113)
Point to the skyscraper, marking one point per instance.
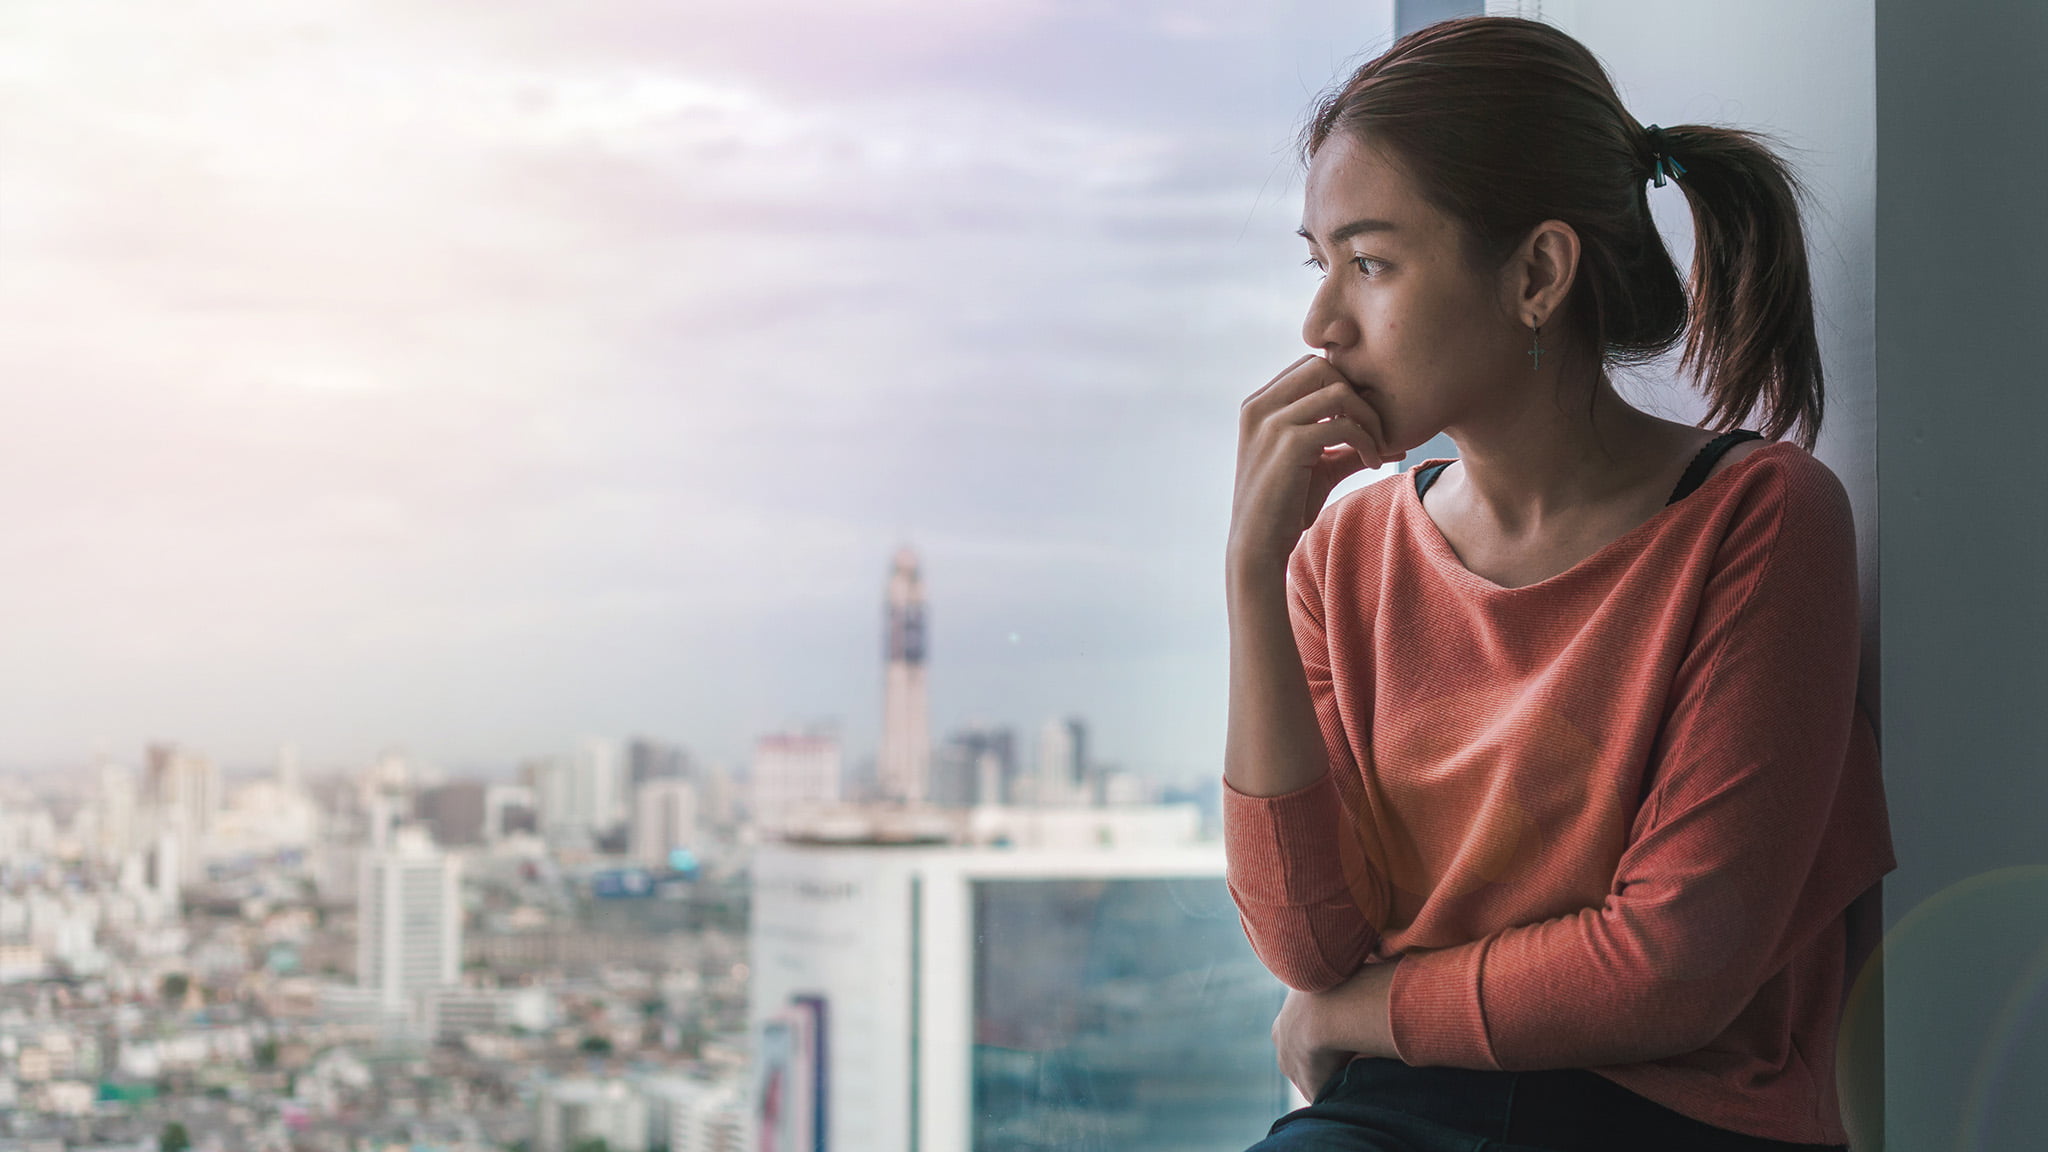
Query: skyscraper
point(408, 921)
point(1062, 777)
point(181, 792)
point(906, 725)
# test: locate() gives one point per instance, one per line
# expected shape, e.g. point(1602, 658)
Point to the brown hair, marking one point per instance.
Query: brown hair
point(1503, 123)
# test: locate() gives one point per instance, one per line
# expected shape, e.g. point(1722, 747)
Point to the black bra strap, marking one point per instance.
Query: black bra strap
point(1424, 477)
point(1696, 472)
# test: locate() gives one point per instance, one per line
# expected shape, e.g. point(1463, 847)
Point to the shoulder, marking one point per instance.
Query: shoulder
point(1799, 483)
point(1362, 510)
point(1345, 534)
point(1783, 510)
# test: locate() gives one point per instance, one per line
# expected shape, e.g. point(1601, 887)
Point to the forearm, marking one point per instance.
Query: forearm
point(1309, 892)
point(1273, 744)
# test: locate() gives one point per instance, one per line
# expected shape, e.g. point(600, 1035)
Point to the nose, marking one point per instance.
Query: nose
point(1326, 326)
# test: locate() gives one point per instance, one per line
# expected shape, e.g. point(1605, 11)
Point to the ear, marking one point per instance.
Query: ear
point(1539, 275)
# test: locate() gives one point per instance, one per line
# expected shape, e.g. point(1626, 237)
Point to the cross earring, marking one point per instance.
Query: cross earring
point(1536, 347)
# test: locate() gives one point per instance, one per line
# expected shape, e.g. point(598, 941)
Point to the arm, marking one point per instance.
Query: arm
point(1706, 902)
point(1308, 898)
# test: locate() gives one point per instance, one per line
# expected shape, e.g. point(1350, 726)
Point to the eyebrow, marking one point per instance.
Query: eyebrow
point(1368, 224)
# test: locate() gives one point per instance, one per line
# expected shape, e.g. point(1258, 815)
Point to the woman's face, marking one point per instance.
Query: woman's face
point(1400, 313)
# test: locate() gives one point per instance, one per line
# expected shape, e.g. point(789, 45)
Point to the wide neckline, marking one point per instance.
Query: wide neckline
point(1439, 547)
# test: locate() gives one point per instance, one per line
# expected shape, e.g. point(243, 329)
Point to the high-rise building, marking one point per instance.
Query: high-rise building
point(582, 798)
point(181, 795)
point(454, 812)
point(408, 921)
point(508, 809)
point(793, 773)
point(905, 765)
point(653, 760)
point(664, 820)
point(599, 781)
point(181, 788)
point(951, 999)
point(974, 766)
point(1062, 778)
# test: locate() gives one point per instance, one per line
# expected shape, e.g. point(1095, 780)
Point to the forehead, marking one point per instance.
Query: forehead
point(1349, 179)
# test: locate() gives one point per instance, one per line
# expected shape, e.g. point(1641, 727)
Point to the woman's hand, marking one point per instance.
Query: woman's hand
point(1297, 439)
point(1317, 1033)
point(1306, 1062)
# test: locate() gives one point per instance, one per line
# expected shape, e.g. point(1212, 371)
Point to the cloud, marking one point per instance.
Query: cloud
point(544, 354)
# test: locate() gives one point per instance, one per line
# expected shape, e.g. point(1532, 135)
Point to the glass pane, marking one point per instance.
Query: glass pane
point(1119, 1014)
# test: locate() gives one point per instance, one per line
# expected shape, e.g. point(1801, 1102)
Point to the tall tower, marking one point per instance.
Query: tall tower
point(906, 725)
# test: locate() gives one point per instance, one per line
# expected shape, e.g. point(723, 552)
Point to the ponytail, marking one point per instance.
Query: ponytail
point(1750, 335)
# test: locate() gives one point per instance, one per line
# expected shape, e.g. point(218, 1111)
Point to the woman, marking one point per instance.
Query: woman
point(1546, 784)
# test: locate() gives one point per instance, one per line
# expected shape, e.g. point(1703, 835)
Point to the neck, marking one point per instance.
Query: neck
point(1545, 459)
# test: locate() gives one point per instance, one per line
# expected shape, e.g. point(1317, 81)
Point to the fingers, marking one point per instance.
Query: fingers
point(1312, 390)
point(1336, 398)
point(1295, 381)
point(1342, 415)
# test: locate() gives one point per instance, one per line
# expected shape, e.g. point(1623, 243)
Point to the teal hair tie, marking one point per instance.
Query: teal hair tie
point(1662, 162)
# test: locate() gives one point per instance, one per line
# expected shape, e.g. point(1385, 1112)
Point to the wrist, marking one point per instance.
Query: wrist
point(1248, 549)
point(1355, 1016)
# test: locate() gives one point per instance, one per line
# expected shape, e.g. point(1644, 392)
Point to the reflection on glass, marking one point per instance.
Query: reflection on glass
point(1119, 1014)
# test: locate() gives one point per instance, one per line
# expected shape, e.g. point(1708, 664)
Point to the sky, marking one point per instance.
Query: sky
point(471, 378)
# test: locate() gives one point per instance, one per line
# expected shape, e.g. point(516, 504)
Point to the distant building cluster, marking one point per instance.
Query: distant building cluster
point(615, 948)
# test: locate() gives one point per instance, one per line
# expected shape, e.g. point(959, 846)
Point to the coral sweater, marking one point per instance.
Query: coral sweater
point(1610, 820)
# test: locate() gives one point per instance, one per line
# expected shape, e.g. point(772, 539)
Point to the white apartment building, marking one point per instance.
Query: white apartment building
point(573, 1111)
point(408, 921)
point(946, 998)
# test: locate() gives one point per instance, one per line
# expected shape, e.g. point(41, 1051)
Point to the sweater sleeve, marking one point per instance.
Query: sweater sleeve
point(1296, 864)
point(1706, 902)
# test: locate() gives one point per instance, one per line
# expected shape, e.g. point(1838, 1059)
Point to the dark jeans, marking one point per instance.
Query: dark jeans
point(1381, 1105)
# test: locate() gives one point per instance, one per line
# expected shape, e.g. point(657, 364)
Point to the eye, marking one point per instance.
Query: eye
point(1314, 263)
point(1363, 261)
